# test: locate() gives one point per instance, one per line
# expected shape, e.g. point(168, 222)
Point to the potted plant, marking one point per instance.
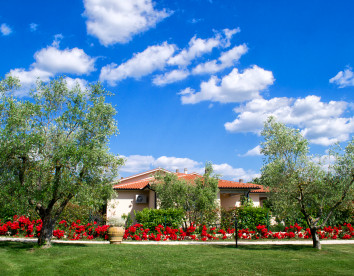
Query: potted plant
point(115, 230)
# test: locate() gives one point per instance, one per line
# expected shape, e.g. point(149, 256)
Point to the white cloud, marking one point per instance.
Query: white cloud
point(140, 163)
point(229, 34)
point(51, 61)
point(235, 87)
point(5, 29)
point(325, 161)
point(137, 163)
point(228, 172)
point(173, 163)
point(226, 59)
point(320, 122)
point(72, 83)
point(197, 48)
point(141, 64)
point(170, 77)
point(256, 151)
point(72, 61)
point(113, 21)
point(57, 40)
point(33, 27)
point(344, 78)
point(28, 77)
point(158, 57)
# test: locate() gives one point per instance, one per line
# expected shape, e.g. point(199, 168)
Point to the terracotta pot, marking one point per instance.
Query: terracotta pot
point(115, 234)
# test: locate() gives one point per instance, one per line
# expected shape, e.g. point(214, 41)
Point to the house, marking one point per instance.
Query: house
point(134, 193)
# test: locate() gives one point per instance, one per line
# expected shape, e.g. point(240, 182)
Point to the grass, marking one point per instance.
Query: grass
point(127, 259)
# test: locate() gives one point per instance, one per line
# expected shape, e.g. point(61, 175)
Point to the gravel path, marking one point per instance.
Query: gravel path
point(276, 242)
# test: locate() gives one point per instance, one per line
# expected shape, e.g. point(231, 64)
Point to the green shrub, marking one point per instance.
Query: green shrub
point(339, 216)
point(207, 217)
point(166, 217)
point(74, 212)
point(248, 217)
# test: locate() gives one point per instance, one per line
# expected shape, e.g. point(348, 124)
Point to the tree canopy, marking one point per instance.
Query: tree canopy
point(54, 147)
point(300, 183)
point(196, 198)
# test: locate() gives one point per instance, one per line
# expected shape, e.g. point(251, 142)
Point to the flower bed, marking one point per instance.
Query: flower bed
point(23, 226)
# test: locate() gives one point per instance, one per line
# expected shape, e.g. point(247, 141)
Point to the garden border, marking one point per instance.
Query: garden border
point(275, 242)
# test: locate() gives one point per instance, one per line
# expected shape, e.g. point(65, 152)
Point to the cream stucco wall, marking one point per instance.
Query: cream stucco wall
point(255, 199)
point(124, 203)
point(230, 200)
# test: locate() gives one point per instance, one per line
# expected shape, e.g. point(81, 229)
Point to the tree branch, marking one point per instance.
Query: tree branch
point(339, 202)
point(62, 206)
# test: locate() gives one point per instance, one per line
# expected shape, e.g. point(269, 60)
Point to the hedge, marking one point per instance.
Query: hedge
point(247, 217)
point(167, 217)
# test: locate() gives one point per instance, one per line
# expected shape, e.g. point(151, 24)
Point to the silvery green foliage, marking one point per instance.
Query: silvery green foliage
point(54, 145)
point(300, 183)
point(195, 197)
point(115, 221)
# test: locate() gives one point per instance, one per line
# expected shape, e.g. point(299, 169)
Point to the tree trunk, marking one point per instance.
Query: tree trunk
point(315, 238)
point(45, 237)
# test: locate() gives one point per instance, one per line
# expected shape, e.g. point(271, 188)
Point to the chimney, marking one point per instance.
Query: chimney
point(177, 170)
point(185, 170)
point(241, 180)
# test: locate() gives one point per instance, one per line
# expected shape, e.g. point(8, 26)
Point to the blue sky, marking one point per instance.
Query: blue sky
point(194, 80)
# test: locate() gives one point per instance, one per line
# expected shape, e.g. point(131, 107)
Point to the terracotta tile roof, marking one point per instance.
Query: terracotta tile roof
point(137, 185)
point(261, 190)
point(223, 184)
point(236, 185)
point(189, 177)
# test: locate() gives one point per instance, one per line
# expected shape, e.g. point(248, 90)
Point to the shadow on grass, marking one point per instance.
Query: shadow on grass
point(11, 245)
point(280, 247)
point(17, 245)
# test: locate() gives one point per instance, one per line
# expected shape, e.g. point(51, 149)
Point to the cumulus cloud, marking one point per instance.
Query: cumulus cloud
point(166, 56)
point(226, 59)
point(343, 78)
point(320, 122)
point(140, 163)
point(256, 151)
point(325, 161)
point(229, 33)
point(234, 87)
point(71, 61)
point(235, 174)
point(173, 163)
point(28, 77)
point(137, 163)
point(170, 77)
point(72, 83)
point(50, 61)
point(141, 64)
point(197, 48)
point(113, 21)
point(5, 29)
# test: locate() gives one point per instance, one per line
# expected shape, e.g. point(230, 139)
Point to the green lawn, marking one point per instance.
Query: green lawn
point(127, 259)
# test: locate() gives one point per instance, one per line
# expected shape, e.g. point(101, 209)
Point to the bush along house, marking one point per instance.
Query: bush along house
point(134, 193)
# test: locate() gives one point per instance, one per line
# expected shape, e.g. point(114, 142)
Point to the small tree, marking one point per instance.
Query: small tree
point(298, 184)
point(196, 198)
point(54, 147)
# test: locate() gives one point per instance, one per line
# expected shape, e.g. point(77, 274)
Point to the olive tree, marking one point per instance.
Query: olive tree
point(196, 197)
point(300, 183)
point(54, 147)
